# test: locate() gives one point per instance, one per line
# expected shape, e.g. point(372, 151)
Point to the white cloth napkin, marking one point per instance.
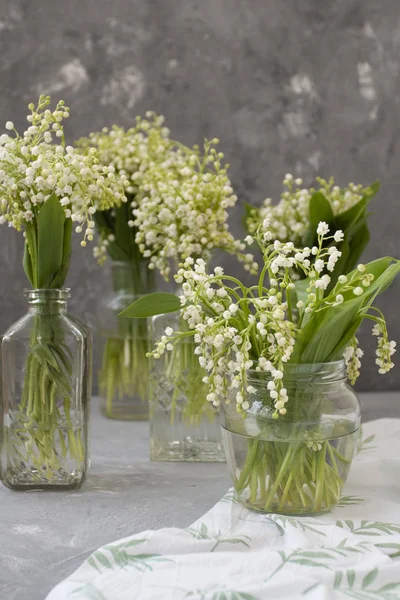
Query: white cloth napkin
point(232, 553)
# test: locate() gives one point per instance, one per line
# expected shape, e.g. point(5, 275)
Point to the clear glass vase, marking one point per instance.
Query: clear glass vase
point(124, 373)
point(296, 463)
point(46, 380)
point(184, 426)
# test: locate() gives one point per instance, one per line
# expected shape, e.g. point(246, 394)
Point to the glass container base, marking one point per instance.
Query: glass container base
point(187, 449)
point(31, 480)
point(126, 409)
point(292, 477)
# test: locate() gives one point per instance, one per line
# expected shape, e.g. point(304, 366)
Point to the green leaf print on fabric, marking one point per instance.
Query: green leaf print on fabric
point(230, 498)
point(369, 528)
point(118, 556)
point(366, 444)
point(349, 500)
point(203, 534)
point(388, 546)
point(362, 587)
point(219, 593)
point(322, 557)
point(88, 591)
point(282, 522)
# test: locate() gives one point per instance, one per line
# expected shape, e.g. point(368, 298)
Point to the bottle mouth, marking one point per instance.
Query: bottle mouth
point(41, 295)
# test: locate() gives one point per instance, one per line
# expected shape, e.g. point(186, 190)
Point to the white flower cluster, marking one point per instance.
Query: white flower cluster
point(237, 330)
point(289, 219)
point(182, 209)
point(385, 349)
point(32, 167)
point(131, 151)
point(179, 196)
point(352, 356)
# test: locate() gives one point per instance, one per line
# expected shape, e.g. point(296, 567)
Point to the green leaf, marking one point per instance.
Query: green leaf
point(103, 560)
point(357, 245)
point(308, 562)
point(390, 547)
point(158, 303)
point(93, 563)
point(388, 587)
point(316, 554)
point(350, 216)
point(301, 286)
point(106, 223)
point(310, 589)
point(30, 254)
point(338, 579)
point(369, 578)
point(124, 233)
point(61, 276)
point(328, 332)
point(27, 264)
point(50, 236)
point(319, 210)
point(351, 577)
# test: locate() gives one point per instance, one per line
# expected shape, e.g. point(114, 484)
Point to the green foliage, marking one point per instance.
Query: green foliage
point(281, 521)
point(157, 303)
point(321, 558)
point(360, 587)
point(369, 528)
point(48, 246)
point(203, 534)
point(353, 222)
point(118, 555)
point(114, 222)
point(366, 444)
point(329, 331)
point(319, 210)
point(349, 501)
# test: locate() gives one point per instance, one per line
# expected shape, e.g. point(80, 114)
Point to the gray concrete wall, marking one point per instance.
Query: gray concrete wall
point(305, 86)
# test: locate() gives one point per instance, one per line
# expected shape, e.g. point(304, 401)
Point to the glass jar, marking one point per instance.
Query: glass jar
point(184, 425)
point(124, 373)
point(296, 463)
point(46, 377)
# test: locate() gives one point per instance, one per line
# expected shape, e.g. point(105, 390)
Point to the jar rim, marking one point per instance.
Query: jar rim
point(330, 369)
point(333, 363)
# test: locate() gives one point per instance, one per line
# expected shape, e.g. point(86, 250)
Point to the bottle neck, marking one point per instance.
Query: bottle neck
point(132, 278)
point(47, 301)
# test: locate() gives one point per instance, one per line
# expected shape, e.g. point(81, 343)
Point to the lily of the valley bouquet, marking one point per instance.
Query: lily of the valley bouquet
point(179, 198)
point(296, 216)
point(124, 373)
point(46, 189)
point(275, 357)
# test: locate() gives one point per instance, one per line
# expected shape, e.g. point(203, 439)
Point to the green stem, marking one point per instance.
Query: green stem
point(320, 477)
point(282, 470)
point(248, 465)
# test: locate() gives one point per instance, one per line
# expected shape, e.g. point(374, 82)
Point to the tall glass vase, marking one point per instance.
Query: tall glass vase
point(124, 373)
point(296, 463)
point(46, 375)
point(184, 425)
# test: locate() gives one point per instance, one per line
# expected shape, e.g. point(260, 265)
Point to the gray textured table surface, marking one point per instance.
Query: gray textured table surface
point(46, 536)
